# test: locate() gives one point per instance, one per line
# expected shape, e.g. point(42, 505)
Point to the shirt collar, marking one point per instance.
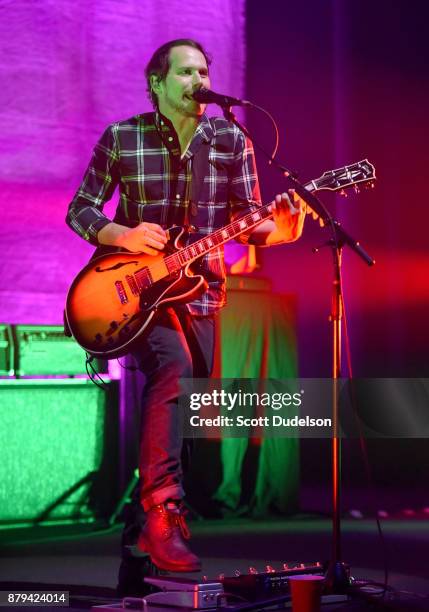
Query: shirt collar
point(205, 128)
point(203, 132)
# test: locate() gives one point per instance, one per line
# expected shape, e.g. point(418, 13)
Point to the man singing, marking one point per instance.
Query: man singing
point(152, 157)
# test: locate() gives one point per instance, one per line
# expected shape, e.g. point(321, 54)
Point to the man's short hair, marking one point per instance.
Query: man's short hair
point(159, 63)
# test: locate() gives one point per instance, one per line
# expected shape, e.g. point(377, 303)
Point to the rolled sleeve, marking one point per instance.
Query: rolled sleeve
point(85, 213)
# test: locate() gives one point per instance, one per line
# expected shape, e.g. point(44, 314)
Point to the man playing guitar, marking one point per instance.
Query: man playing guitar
point(151, 158)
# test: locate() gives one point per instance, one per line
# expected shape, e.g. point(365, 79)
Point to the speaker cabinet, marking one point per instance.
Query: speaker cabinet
point(59, 451)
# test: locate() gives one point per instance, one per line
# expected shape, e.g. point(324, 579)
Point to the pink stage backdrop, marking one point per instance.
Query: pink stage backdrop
point(67, 70)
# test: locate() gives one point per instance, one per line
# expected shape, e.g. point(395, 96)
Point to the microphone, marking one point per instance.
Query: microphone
point(207, 96)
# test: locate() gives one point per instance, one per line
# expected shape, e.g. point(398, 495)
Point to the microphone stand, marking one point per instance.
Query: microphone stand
point(337, 574)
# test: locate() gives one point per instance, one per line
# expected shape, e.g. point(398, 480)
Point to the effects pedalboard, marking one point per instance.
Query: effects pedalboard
point(227, 592)
point(270, 583)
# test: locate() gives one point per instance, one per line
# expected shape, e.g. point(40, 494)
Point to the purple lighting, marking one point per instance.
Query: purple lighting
point(67, 71)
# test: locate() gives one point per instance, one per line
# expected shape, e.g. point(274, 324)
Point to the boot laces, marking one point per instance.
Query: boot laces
point(176, 518)
point(181, 523)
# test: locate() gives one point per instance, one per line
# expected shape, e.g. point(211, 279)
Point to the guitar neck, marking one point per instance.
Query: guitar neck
point(202, 246)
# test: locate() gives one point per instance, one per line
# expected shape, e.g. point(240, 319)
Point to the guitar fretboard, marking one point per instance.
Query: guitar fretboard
point(202, 246)
point(333, 180)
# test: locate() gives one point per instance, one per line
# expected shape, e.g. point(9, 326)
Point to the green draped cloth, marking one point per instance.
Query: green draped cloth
point(258, 340)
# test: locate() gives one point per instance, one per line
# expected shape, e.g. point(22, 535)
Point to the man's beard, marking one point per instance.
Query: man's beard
point(183, 108)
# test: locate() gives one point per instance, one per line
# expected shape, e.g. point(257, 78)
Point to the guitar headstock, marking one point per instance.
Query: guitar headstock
point(348, 176)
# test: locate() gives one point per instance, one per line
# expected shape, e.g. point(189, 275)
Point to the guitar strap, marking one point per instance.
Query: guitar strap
point(200, 167)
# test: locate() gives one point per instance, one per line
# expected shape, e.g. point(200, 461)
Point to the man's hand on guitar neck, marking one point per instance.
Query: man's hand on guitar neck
point(288, 221)
point(289, 215)
point(147, 238)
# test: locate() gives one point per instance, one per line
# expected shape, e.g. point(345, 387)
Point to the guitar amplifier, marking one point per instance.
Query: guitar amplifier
point(6, 351)
point(44, 350)
point(59, 450)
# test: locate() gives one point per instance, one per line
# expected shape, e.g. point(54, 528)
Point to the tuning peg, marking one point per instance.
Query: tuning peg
point(253, 570)
point(285, 566)
point(356, 188)
point(343, 193)
point(269, 569)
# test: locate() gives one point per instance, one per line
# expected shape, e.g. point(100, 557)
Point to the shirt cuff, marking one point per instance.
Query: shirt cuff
point(91, 235)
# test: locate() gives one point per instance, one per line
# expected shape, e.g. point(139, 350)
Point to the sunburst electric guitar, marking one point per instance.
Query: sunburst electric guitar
point(113, 299)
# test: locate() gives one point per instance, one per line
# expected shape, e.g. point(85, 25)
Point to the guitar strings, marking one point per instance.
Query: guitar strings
point(236, 226)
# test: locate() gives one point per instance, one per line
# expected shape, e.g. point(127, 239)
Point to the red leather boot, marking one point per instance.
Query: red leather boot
point(164, 538)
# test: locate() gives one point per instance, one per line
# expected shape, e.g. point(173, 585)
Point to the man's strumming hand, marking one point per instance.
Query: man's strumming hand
point(147, 238)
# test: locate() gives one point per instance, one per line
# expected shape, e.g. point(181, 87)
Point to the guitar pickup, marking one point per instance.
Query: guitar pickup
point(132, 284)
point(120, 289)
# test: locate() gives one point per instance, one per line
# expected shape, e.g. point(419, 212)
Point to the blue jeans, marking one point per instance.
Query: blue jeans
point(178, 345)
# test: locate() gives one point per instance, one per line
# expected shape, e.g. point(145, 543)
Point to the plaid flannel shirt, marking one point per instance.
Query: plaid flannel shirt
point(142, 156)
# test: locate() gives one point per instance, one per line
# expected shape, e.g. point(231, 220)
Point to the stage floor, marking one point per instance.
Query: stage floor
point(87, 559)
